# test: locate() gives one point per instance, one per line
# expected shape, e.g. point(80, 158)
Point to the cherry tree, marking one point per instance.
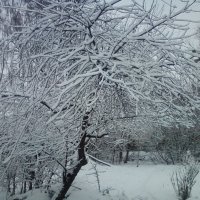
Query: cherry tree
point(59, 70)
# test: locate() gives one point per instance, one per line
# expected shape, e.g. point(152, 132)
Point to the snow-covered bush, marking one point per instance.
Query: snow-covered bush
point(184, 179)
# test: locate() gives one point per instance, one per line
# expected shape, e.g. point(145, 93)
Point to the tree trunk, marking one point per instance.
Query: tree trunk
point(14, 184)
point(69, 176)
point(8, 183)
point(69, 180)
point(113, 157)
point(126, 157)
point(31, 179)
point(120, 156)
point(138, 158)
point(24, 187)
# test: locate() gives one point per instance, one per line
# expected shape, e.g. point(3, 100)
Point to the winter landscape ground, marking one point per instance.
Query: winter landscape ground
point(120, 182)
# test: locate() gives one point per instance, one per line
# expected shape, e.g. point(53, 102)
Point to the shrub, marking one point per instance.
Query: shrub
point(184, 179)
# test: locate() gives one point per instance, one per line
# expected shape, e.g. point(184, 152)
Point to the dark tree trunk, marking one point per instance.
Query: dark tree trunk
point(14, 184)
point(8, 184)
point(126, 157)
point(30, 187)
point(69, 180)
point(120, 156)
point(32, 177)
point(113, 157)
point(24, 187)
point(69, 176)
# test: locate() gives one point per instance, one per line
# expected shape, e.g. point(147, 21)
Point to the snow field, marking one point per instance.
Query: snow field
point(148, 182)
point(122, 182)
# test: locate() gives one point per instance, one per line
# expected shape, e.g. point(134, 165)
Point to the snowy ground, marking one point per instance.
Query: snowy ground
point(150, 182)
point(124, 182)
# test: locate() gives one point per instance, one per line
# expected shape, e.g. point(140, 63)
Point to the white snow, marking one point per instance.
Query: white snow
point(2, 195)
point(147, 182)
point(122, 182)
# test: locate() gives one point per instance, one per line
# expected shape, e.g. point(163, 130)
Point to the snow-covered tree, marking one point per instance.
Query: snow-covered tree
point(58, 71)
